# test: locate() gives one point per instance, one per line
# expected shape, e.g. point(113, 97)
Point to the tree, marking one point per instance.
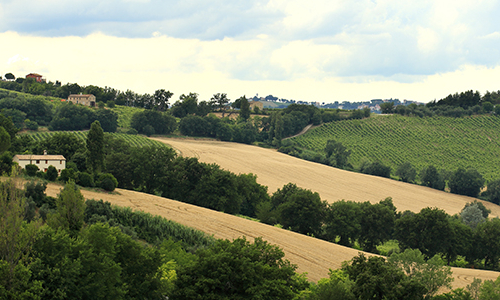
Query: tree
point(338, 153)
point(61, 143)
point(406, 172)
point(337, 287)
point(376, 224)
point(51, 174)
point(466, 182)
point(376, 168)
point(10, 76)
point(238, 270)
point(16, 240)
point(244, 108)
point(387, 107)
point(343, 220)
point(493, 191)
point(487, 243)
point(220, 101)
point(375, 278)
point(31, 170)
point(70, 209)
point(432, 274)
point(4, 140)
point(95, 148)
point(161, 98)
point(162, 123)
point(472, 216)
point(299, 209)
point(429, 231)
point(430, 177)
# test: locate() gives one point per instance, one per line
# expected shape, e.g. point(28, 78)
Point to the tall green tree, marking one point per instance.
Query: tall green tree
point(16, 241)
point(4, 140)
point(432, 178)
point(338, 154)
point(95, 148)
point(239, 270)
point(343, 220)
point(466, 182)
point(244, 108)
point(70, 209)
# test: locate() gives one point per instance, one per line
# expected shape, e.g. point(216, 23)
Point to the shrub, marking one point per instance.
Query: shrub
point(31, 170)
point(107, 182)
point(85, 179)
point(51, 174)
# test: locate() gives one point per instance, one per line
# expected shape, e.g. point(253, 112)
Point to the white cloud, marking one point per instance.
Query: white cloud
point(208, 67)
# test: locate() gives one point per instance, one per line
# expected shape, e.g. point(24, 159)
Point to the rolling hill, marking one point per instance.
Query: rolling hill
point(445, 142)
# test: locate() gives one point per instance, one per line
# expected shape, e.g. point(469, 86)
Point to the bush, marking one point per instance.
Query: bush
point(85, 179)
point(376, 168)
point(432, 178)
point(67, 174)
point(31, 170)
point(31, 125)
point(107, 182)
point(466, 182)
point(51, 174)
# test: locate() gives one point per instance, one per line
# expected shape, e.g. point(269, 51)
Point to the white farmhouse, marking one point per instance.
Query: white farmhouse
point(41, 161)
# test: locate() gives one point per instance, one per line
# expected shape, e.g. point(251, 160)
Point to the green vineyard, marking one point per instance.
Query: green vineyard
point(445, 142)
point(133, 140)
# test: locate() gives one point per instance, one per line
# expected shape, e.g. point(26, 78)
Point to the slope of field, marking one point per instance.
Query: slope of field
point(445, 142)
point(312, 255)
point(132, 140)
point(274, 170)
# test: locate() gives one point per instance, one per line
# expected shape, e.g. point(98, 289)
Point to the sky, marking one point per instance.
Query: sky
point(316, 50)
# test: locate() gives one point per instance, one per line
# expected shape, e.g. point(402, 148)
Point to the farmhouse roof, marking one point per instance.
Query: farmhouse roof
point(39, 157)
point(34, 74)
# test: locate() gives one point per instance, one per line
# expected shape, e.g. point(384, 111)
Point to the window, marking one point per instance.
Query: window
point(60, 162)
point(37, 161)
point(46, 161)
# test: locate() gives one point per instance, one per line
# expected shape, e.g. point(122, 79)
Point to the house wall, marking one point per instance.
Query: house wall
point(42, 164)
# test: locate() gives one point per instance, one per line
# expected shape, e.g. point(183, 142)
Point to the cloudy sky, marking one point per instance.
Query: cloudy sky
point(319, 50)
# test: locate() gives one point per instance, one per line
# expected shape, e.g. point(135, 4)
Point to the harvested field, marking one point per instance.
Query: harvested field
point(311, 255)
point(274, 169)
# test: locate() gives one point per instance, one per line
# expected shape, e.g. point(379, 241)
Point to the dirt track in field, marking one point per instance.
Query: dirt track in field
point(274, 170)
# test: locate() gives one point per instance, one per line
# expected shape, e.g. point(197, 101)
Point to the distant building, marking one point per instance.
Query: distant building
point(37, 77)
point(41, 161)
point(88, 99)
point(254, 104)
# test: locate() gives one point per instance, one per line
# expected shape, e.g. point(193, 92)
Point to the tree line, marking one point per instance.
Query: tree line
point(454, 105)
point(31, 112)
point(89, 249)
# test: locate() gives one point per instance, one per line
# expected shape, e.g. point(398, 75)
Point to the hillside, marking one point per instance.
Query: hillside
point(445, 142)
point(274, 169)
point(312, 255)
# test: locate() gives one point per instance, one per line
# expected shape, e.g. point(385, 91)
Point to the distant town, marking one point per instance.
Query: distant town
point(271, 101)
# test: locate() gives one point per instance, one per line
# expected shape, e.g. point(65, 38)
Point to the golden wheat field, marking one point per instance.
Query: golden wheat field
point(274, 170)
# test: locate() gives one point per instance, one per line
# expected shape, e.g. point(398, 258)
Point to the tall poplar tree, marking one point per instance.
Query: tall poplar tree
point(95, 148)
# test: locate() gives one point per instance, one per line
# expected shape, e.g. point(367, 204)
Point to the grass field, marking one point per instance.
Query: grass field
point(447, 143)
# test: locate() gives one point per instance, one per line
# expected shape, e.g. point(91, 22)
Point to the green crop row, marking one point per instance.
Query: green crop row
point(133, 140)
point(445, 142)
